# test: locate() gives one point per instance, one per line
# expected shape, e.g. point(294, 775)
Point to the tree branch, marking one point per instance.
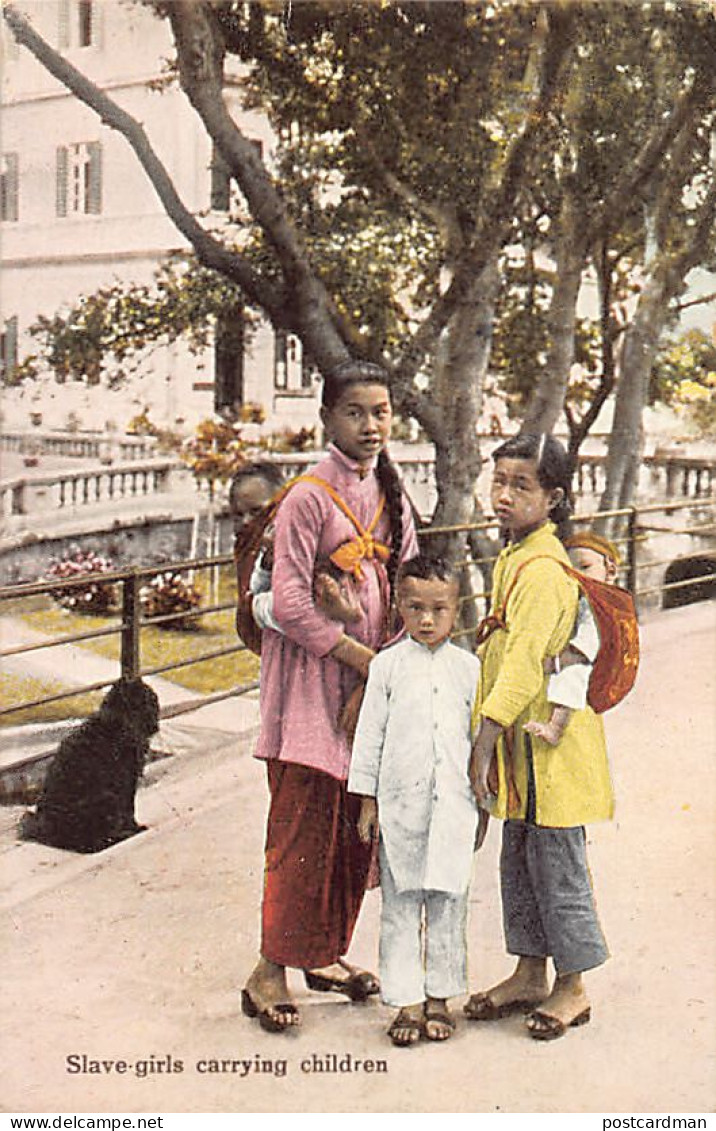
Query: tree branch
point(310, 310)
point(652, 152)
point(494, 228)
point(695, 302)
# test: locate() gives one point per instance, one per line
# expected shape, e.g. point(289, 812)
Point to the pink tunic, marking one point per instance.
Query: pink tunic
point(303, 690)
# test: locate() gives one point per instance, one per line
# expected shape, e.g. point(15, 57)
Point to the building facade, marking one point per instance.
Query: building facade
point(79, 213)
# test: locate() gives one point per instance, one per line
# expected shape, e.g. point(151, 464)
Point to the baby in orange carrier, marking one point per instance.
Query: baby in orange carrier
point(570, 672)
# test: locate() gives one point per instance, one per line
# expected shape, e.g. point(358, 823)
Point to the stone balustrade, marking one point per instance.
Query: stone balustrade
point(661, 477)
point(78, 445)
point(69, 490)
point(36, 495)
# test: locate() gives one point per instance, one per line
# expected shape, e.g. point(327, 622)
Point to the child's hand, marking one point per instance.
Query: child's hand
point(337, 599)
point(552, 731)
point(483, 821)
point(367, 819)
point(481, 757)
point(267, 541)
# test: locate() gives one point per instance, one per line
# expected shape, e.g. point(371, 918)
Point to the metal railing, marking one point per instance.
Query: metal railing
point(634, 539)
point(642, 563)
point(129, 626)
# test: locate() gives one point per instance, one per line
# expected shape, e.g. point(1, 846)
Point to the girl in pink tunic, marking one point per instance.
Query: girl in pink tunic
point(316, 865)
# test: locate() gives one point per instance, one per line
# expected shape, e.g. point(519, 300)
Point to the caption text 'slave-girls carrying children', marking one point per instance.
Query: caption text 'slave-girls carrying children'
point(316, 865)
point(547, 900)
point(409, 764)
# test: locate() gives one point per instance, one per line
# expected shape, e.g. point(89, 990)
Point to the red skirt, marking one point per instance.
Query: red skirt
point(316, 868)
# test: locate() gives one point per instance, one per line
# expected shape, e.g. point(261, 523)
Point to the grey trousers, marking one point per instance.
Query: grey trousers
point(547, 900)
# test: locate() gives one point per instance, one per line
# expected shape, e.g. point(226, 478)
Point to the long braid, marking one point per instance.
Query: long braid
point(390, 482)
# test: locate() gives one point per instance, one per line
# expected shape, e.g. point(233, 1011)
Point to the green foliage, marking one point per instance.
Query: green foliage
point(685, 378)
point(393, 122)
point(107, 334)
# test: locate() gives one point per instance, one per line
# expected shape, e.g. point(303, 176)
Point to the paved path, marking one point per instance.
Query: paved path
point(139, 953)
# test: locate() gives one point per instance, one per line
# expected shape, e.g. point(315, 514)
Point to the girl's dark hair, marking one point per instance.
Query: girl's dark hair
point(554, 469)
point(355, 371)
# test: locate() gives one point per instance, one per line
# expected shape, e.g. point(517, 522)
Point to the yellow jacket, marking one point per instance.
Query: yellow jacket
point(572, 780)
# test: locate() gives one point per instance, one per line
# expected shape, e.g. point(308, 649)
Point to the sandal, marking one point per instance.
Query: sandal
point(481, 1007)
point(442, 1017)
point(266, 1018)
point(553, 1027)
point(368, 980)
point(358, 986)
point(406, 1030)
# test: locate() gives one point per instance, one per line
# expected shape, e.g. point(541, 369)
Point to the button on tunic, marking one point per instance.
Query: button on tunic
point(411, 752)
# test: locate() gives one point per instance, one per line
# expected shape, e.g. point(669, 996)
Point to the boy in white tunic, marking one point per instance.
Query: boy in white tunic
point(409, 764)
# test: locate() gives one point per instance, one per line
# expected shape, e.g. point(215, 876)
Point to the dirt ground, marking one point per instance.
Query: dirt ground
point(138, 955)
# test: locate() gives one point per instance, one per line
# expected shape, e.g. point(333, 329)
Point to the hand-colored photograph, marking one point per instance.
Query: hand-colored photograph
point(358, 557)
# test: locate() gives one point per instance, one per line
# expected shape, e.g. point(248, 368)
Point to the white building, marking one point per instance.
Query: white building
point(78, 212)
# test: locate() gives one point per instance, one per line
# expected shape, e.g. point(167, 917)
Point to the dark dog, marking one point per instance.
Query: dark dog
point(87, 801)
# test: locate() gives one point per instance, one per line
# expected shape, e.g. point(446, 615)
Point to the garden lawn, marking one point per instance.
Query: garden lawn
point(21, 689)
point(159, 645)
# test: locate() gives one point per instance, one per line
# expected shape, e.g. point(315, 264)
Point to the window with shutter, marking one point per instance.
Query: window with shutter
point(291, 369)
point(229, 363)
point(9, 187)
point(61, 170)
point(84, 23)
point(78, 23)
point(63, 23)
point(280, 360)
point(220, 182)
point(94, 179)
point(79, 179)
point(8, 349)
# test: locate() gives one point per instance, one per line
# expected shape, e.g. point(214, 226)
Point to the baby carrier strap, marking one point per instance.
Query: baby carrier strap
point(615, 667)
point(347, 557)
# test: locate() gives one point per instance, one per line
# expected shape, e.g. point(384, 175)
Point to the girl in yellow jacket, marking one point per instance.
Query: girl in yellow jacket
point(544, 794)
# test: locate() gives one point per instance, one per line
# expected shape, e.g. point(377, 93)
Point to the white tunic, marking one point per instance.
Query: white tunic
point(569, 687)
point(411, 752)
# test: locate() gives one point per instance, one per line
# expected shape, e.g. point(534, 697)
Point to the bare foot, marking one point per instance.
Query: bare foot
point(566, 1005)
point(439, 1021)
point(526, 986)
point(266, 990)
point(408, 1025)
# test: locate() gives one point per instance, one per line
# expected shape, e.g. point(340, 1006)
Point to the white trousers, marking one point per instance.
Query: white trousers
point(423, 944)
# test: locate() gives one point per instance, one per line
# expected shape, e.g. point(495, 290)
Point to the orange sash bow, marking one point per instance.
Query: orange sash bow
point(349, 555)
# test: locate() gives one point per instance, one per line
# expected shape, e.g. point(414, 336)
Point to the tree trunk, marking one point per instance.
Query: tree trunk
point(548, 398)
point(666, 277)
point(635, 364)
point(459, 386)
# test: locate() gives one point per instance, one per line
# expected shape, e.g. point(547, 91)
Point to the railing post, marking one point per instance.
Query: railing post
point(632, 550)
point(130, 626)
